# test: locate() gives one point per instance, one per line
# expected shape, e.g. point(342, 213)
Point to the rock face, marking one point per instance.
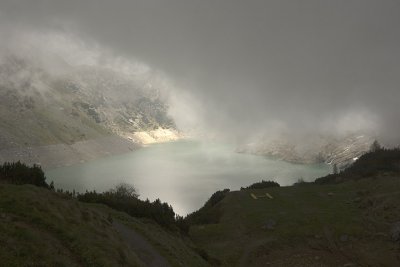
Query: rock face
point(331, 150)
point(40, 107)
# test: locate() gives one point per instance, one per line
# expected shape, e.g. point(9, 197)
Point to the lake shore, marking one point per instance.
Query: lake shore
point(58, 155)
point(183, 173)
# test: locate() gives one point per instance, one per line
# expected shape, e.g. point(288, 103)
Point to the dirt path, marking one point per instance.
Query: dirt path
point(145, 251)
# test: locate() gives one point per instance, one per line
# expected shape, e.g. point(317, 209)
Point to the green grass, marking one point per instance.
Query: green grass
point(39, 227)
point(307, 217)
point(316, 225)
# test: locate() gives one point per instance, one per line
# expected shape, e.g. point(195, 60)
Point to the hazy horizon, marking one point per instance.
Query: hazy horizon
point(232, 68)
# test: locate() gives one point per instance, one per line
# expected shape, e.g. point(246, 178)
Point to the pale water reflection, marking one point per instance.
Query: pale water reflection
point(183, 173)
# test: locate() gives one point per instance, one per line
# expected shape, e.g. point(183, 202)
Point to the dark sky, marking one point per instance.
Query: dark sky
point(250, 66)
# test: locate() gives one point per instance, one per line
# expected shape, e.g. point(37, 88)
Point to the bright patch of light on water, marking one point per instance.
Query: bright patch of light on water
point(183, 173)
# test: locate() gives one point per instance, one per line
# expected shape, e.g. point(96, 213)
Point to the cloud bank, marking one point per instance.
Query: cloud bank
point(239, 68)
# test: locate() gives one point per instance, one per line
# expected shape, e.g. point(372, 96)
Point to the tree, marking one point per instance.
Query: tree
point(335, 169)
point(51, 186)
point(19, 173)
point(125, 190)
point(262, 184)
point(375, 146)
point(124, 198)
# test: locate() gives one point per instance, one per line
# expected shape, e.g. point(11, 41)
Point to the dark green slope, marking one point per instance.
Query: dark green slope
point(348, 219)
point(313, 225)
point(39, 227)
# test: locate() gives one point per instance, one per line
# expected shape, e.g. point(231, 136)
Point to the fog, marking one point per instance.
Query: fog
point(234, 69)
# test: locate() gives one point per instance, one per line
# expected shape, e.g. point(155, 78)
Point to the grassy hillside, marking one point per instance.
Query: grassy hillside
point(351, 218)
point(39, 227)
point(351, 221)
point(312, 225)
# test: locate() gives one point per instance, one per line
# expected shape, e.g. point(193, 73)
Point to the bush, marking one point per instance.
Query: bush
point(301, 182)
point(209, 213)
point(124, 191)
point(19, 173)
point(124, 198)
point(262, 184)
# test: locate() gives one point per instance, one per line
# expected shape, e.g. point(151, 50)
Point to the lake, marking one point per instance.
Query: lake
point(183, 173)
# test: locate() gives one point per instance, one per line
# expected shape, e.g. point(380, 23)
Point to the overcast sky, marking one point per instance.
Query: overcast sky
point(250, 66)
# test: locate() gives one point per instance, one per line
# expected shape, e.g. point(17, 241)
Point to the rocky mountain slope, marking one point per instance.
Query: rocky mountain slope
point(341, 151)
point(42, 107)
point(39, 107)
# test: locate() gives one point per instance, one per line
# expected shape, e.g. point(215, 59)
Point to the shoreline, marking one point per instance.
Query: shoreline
point(61, 155)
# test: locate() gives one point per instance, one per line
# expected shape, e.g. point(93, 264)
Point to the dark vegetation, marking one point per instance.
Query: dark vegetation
point(19, 173)
point(261, 185)
point(377, 161)
point(350, 206)
point(207, 214)
point(301, 182)
point(211, 211)
point(66, 233)
point(124, 198)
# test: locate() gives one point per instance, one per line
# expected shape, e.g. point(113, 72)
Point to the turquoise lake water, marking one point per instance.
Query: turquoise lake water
point(183, 173)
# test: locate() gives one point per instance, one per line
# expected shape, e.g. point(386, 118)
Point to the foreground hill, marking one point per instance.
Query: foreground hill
point(39, 227)
point(354, 223)
point(351, 218)
point(347, 219)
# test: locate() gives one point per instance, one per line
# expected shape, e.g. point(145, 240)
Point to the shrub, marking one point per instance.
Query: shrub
point(262, 184)
point(209, 213)
point(301, 182)
point(124, 198)
point(19, 173)
point(124, 191)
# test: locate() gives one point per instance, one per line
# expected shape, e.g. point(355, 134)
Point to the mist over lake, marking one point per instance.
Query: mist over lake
point(183, 173)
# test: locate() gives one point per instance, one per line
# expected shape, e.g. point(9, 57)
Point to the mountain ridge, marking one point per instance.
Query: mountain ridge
point(49, 110)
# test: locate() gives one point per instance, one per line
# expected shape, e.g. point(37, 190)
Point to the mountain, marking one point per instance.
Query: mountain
point(341, 151)
point(64, 105)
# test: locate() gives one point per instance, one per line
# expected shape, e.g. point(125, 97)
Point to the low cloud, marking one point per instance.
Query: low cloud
point(232, 68)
